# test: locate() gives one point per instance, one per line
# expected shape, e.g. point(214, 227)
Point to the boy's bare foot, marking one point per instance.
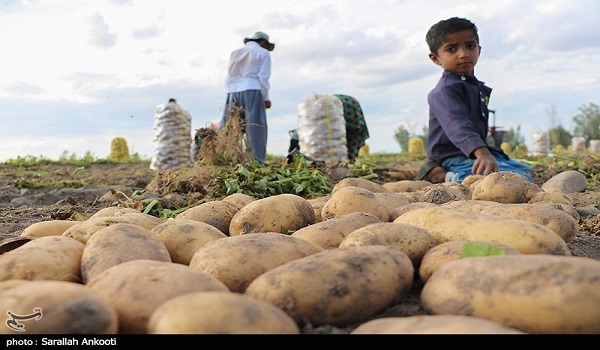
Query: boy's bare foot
point(436, 175)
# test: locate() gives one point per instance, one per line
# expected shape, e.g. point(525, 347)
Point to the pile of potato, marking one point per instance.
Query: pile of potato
point(491, 258)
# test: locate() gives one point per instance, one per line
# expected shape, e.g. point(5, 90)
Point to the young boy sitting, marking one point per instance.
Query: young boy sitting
point(458, 110)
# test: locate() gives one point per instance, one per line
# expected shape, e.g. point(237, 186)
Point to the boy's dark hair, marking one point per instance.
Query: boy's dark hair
point(437, 33)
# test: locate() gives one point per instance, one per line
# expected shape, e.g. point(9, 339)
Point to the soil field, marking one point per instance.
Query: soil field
point(73, 192)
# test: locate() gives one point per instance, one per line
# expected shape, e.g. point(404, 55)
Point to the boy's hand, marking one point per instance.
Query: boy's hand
point(485, 163)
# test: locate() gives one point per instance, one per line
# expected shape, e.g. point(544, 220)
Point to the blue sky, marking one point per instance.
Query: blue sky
point(76, 74)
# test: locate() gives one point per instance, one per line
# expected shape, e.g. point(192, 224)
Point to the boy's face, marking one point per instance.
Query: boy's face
point(459, 53)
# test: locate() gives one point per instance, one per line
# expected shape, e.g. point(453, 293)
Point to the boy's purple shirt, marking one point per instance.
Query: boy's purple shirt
point(458, 117)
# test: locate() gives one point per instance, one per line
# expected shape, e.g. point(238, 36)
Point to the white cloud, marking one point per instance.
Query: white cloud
point(99, 33)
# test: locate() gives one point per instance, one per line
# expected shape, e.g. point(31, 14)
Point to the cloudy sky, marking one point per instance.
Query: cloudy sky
point(76, 74)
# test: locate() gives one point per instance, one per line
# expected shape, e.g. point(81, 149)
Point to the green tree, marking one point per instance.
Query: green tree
point(402, 136)
point(587, 122)
point(559, 136)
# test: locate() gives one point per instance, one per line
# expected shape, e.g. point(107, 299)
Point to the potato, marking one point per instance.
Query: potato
point(408, 207)
point(351, 199)
point(238, 260)
point(54, 307)
point(45, 258)
point(567, 208)
point(553, 197)
point(391, 201)
point(118, 243)
point(85, 229)
point(411, 240)
point(337, 286)
point(329, 234)
point(239, 199)
point(474, 185)
point(319, 199)
point(222, 313)
point(433, 324)
point(183, 237)
point(406, 185)
point(47, 228)
point(360, 182)
point(317, 205)
point(281, 213)
point(444, 253)
point(534, 293)
point(136, 288)
point(555, 218)
point(502, 187)
point(11, 243)
point(532, 189)
point(470, 180)
point(113, 211)
point(447, 224)
point(317, 208)
point(215, 213)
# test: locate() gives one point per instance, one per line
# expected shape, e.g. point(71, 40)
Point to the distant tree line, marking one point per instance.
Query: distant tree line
point(586, 125)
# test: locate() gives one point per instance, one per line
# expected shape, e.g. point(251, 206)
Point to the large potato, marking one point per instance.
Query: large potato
point(47, 228)
point(214, 213)
point(553, 217)
point(44, 258)
point(433, 324)
point(238, 260)
point(351, 199)
point(113, 211)
point(136, 288)
point(502, 187)
point(410, 206)
point(534, 293)
point(239, 199)
point(551, 197)
point(281, 213)
point(183, 237)
point(446, 252)
point(329, 234)
point(360, 182)
point(222, 313)
point(411, 240)
point(448, 224)
point(54, 307)
point(470, 180)
point(406, 185)
point(85, 229)
point(118, 243)
point(337, 286)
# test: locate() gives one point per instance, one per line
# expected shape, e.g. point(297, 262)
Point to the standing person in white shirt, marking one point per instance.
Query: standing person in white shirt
point(247, 86)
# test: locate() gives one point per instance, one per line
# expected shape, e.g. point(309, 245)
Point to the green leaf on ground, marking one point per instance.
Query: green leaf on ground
point(474, 249)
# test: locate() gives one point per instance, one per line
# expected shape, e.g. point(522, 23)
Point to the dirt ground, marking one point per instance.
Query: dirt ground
point(108, 185)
